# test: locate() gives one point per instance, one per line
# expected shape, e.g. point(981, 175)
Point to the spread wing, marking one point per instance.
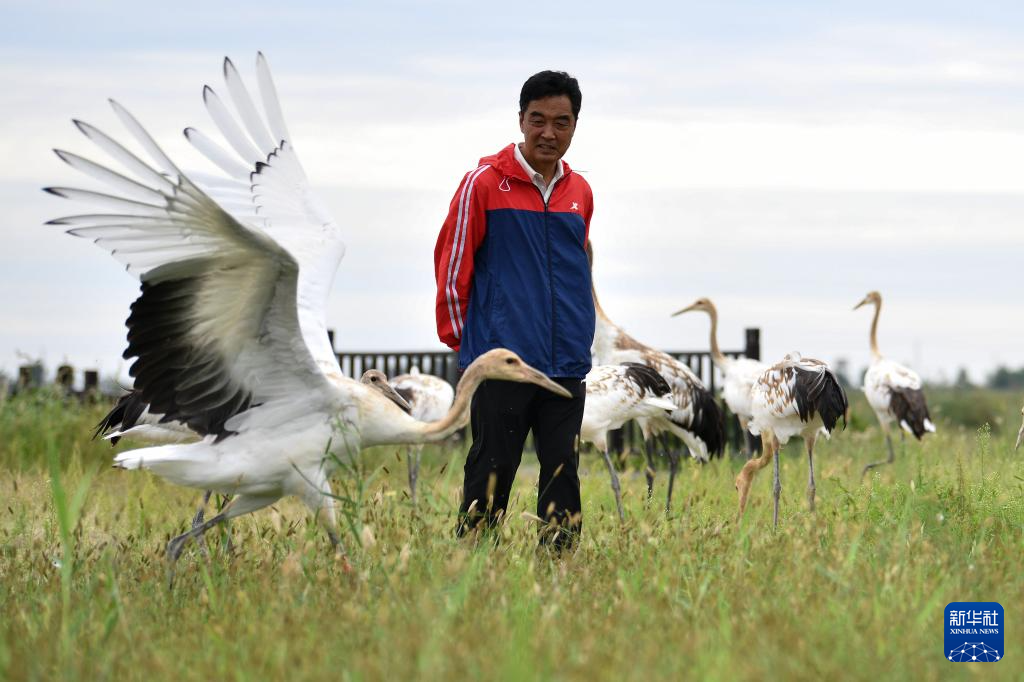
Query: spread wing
point(266, 186)
point(216, 329)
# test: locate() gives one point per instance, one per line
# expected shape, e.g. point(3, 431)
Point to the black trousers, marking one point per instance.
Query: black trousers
point(501, 414)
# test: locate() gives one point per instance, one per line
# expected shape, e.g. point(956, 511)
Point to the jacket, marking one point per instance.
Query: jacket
point(512, 272)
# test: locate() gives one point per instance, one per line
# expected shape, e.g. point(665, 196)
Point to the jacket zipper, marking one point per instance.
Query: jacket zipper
point(551, 279)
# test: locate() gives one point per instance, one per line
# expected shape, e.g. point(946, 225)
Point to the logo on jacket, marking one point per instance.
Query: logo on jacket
point(574, 207)
point(504, 186)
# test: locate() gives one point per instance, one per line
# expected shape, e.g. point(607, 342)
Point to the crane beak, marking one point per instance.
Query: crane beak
point(534, 376)
point(394, 396)
point(685, 310)
point(1020, 437)
point(862, 303)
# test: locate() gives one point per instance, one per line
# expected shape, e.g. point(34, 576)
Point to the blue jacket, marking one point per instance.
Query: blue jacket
point(512, 272)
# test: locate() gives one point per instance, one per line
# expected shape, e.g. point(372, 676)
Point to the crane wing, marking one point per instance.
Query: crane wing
point(216, 328)
point(267, 187)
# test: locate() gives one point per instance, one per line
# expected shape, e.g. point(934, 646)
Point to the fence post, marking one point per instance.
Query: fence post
point(92, 382)
point(753, 347)
point(65, 377)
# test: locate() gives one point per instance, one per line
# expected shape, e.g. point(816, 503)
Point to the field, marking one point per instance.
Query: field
point(855, 591)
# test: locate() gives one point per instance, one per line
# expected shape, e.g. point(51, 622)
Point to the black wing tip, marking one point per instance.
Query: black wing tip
point(647, 378)
point(56, 191)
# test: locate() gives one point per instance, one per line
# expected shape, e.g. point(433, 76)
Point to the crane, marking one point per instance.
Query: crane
point(795, 397)
point(616, 394)
point(697, 419)
point(893, 391)
point(739, 374)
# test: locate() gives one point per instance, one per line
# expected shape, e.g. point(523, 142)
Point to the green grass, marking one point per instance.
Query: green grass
point(855, 591)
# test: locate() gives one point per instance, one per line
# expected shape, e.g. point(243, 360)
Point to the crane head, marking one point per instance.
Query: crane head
point(873, 298)
point(376, 379)
point(703, 304)
point(502, 363)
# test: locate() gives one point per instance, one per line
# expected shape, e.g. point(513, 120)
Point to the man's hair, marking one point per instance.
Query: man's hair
point(551, 84)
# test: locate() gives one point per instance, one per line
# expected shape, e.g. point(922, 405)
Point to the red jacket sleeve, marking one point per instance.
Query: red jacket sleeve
point(461, 234)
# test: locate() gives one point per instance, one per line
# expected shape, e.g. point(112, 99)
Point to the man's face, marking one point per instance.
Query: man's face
point(547, 125)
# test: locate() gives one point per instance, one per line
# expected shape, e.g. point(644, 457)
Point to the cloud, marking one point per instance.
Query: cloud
point(782, 171)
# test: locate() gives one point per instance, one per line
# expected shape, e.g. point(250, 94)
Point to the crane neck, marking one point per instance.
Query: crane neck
point(458, 413)
point(605, 332)
point(875, 353)
point(716, 352)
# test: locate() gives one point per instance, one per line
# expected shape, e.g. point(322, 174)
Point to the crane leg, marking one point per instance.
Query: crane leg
point(649, 471)
point(236, 506)
point(776, 491)
point(197, 520)
point(673, 468)
point(810, 466)
point(615, 484)
point(746, 476)
point(890, 460)
point(413, 455)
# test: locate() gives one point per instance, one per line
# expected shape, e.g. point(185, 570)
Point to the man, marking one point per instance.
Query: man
point(512, 272)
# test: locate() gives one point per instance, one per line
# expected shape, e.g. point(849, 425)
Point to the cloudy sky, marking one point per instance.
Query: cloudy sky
point(782, 158)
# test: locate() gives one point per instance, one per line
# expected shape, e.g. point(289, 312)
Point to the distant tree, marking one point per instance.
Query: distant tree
point(963, 380)
point(1006, 379)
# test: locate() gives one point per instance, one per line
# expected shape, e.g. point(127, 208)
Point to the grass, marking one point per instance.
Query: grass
point(855, 591)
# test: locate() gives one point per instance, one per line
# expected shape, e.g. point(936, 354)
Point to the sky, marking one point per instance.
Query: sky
point(780, 158)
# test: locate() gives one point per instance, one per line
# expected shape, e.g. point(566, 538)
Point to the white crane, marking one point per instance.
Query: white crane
point(615, 395)
point(893, 391)
point(429, 398)
point(796, 397)
point(738, 374)
point(130, 418)
point(697, 419)
point(229, 333)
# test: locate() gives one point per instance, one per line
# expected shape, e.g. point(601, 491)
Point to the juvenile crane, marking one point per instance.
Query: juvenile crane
point(796, 397)
point(428, 397)
point(893, 391)
point(697, 419)
point(739, 374)
point(615, 395)
point(229, 333)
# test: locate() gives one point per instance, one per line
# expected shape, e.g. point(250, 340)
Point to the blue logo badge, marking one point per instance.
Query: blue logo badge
point(974, 632)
